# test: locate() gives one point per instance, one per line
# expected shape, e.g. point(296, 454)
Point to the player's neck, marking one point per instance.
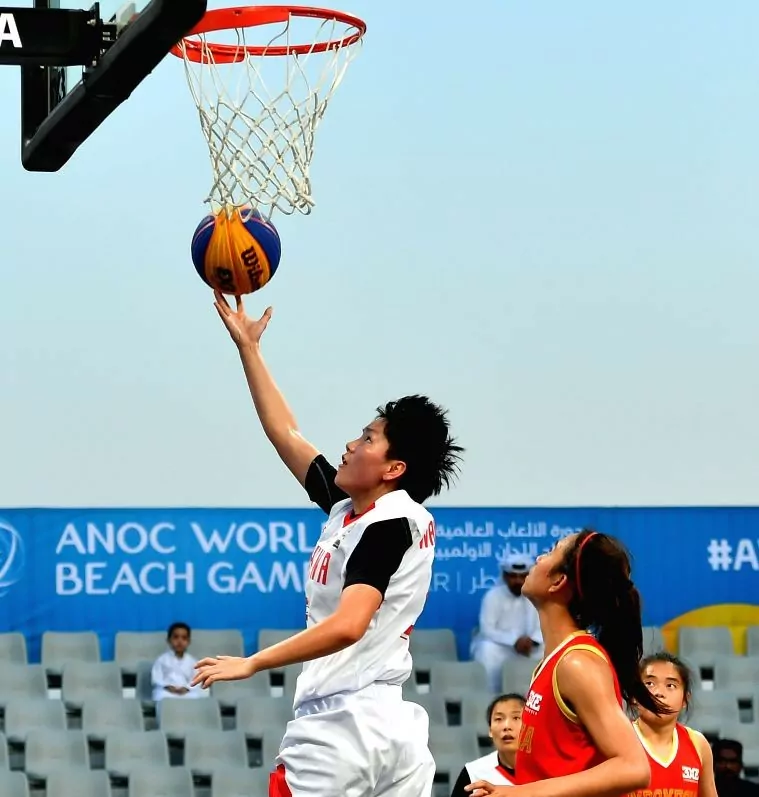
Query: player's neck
point(362, 502)
point(658, 737)
point(556, 625)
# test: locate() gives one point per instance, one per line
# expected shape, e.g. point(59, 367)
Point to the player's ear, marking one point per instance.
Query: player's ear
point(394, 470)
point(559, 581)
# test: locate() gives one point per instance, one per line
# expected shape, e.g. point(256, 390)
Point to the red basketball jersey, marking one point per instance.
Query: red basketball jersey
point(552, 741)
point(680, 774)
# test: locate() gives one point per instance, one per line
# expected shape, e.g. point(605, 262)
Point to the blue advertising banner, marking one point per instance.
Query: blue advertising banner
point(142, 569)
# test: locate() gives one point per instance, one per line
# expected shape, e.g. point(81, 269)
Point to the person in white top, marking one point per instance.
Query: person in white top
point(504, 716)
point(353, 735)
point(174, 671)
point(509, 625)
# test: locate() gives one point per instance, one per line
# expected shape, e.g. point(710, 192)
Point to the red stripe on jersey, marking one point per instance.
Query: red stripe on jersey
point(277, 784)
point(350, 516)
point(407, 633)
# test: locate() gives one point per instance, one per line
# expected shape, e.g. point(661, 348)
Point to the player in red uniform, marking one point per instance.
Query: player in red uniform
point(576, 740)
point(680, 758)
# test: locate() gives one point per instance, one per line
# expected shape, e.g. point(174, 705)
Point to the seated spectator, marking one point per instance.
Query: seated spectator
point(504, 716)
point(174, 670)
point(509, 625)
point(728, 765)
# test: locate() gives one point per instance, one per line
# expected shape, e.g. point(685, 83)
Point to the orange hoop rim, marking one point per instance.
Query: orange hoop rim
point(255, 16)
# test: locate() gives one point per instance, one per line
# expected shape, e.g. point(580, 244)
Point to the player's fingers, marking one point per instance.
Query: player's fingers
point(266, 317)
point(239, 305)
point(207, 662)
point(222, 301)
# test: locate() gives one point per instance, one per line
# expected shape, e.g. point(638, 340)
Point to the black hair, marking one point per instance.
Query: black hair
point(728, 744)
point(684, 672)
point(178, 627)
point(606, 601)
point(502, 699)
point(417, 433)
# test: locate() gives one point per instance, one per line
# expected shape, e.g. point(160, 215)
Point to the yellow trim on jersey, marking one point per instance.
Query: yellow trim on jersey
point(548, 658)
point(563, 707)
point(698, 739)
point(675, 745)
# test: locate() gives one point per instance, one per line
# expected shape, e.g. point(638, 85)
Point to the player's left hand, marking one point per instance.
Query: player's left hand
point(481, 788)
point(222, 668)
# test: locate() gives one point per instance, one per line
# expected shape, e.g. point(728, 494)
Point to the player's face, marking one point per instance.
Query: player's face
point(504, 729)
point(663, 681)
point(365, 465)
point(545, 575)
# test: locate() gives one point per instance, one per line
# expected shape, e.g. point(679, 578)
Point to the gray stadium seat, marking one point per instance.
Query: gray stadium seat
point(161, 782)
point(14, 784)
point(752, 640)
point(257, 715)
point(270, 747)
point(449, 765)
point(517, 674)
point(747, 733)
point(710, 710)
point(85, 680)
point(271, 636)
point(144, 683)
point(737, 673)
point(653, 640)
point(229, 693)
point(178, 717)
point(48, 751)
point(103, 715)
point(226, 642)
point(13, 649)
point(454, 679)
point(460, 741)
point(133, 647)
point(437, 643)
point(433, 704)
point(75, 783)
point(751, 757)
point(236, 782)
point(126, 751)
point(291, 673)
point(24, 715)
point(698, 641)
point(22, 681)
point(4, 763)
point(474, 708)
point(206, 752)
point(61, 648)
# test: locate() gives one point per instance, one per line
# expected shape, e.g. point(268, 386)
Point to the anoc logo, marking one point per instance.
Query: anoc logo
point(11, 557)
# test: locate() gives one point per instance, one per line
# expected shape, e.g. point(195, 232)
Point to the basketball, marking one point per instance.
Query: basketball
point(236, 251)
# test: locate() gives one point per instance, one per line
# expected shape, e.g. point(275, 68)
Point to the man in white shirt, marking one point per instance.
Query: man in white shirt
point(174, 670)
point(509, 625)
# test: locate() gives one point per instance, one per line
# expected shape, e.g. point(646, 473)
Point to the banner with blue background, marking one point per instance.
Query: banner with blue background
point(141, 569)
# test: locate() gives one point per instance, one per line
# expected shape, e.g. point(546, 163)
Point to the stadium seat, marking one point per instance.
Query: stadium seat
point(48, 751)
point(438, 644)
point(22, 681)
point(13, 784)
point(257, 715)
point(226, 642)
point(237, 782)
point(709, 711)
point(449, 766)
point(271, 636)
point(653, 640)
point(86, 680)
point(290, 674)
point(206, 752)
point(61, 648)
point(133, 647)
point(4, 763)
point(103, 715)
point(461, 742)
point(474, 708)
point(13, 649)
point(75, 783)
point(517, 674)
point(178, 717)
point(126, 751)
point(229, 693)
point(747, 733)
point(433, 704)
point(144, 683)
point(161, 782)
point(24, 715)
point(697, 641)
point(752, 640)
point(453, 680)
point(737, 673)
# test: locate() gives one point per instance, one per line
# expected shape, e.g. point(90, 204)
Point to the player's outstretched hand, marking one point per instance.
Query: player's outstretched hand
point(482, 788)
point(245, 331)
point(222, 668)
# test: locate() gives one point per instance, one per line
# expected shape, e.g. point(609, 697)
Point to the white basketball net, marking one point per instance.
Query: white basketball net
point(259, 116)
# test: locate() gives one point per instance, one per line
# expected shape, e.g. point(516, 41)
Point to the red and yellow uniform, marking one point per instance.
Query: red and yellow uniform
point(552, 741)
point(679, 775)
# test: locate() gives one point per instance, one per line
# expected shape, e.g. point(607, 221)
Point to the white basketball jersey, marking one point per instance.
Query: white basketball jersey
point(382, 655)
point(489, 768)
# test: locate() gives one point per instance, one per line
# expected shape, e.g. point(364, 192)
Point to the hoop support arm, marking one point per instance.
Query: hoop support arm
point(53, 36)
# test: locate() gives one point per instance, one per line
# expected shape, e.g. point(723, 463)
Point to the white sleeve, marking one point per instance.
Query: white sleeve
point(490, 612)
point(157, 673)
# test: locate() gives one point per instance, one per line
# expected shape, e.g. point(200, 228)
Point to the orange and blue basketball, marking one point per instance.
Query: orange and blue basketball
point(236, 251)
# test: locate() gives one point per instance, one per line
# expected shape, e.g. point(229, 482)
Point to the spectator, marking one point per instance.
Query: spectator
point(509, 625)
point(504, 716)
point(174, 670)
point(728, 765)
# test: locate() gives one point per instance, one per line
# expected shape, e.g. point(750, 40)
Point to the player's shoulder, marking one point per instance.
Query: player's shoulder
point(399, 506)
point(699, 741)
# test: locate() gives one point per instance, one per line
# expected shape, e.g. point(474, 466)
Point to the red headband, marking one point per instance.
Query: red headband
point(577, 562)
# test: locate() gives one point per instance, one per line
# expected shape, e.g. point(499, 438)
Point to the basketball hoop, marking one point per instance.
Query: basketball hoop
point(259, 117)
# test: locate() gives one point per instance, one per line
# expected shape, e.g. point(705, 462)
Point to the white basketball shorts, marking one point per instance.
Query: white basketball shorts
point(370, 743)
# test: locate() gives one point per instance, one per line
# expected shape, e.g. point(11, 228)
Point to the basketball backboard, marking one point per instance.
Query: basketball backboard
point(62, 105)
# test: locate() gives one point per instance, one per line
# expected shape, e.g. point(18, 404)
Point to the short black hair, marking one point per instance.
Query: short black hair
point(178, 627)
point(418, 434)
point(502, 699)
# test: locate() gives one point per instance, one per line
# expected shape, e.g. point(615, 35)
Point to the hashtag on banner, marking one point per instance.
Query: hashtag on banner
point(720, 554)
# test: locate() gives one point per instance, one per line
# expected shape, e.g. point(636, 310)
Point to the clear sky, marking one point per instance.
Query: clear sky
point(542, 214)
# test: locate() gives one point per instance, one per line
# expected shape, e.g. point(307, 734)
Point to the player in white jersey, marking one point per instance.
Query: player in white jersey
point(353, 734)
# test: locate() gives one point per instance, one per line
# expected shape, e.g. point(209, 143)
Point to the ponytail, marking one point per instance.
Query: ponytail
point(606, 602)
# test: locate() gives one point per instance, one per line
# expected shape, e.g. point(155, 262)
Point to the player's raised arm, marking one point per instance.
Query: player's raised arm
point(275, 415)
